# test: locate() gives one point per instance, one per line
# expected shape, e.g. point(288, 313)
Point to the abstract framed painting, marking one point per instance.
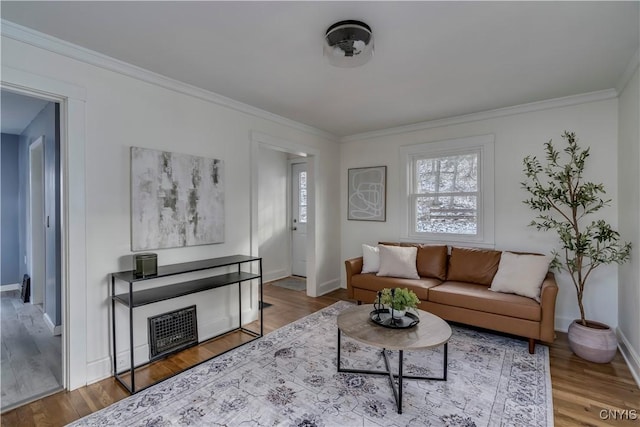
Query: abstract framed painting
point(176, 200)
point(367, 194)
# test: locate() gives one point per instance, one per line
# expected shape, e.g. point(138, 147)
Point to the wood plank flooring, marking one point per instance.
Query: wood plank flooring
point(31, 356)
point(580, 389)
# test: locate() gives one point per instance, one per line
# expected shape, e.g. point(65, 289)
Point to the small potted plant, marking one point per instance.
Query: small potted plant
point(399, 299)
point(564, 200)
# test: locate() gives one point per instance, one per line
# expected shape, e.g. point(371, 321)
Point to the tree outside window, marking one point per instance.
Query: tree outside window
point(446, 194)
point(449, 190)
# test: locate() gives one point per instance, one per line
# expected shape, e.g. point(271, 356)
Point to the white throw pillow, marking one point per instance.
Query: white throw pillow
point(398, 261)
point(521, 274)
point(370, 259)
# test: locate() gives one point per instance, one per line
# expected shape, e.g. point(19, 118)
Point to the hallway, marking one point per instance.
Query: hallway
point(31, 357)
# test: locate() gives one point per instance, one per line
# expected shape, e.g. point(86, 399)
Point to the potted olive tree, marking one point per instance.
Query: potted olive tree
point(564, 201)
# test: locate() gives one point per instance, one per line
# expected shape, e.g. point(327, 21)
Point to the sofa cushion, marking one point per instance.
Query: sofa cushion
point(473, 265)
point(431, 260)
point(377, 283)
point(479, 297)
point(370, 259)
point(521, 274)
point(396, 261)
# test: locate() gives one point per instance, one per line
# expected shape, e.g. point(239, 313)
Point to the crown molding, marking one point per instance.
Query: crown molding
point(628, 72)
point(24, 82)
point(44, 41)
point(489, 114)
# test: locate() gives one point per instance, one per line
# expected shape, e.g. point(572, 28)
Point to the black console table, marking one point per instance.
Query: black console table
point(133, 299)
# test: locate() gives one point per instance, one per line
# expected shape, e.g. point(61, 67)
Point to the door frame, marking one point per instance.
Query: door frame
point(72, 212)
point(290, 190)
point(37, 258)
point(261, 140)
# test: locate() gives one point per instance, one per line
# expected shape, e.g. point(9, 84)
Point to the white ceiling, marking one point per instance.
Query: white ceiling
point(432, 59)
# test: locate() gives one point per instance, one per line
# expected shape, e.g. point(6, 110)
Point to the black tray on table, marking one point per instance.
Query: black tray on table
point(383, 317)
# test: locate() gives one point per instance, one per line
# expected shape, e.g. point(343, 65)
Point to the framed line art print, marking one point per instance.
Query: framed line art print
point(367, 194)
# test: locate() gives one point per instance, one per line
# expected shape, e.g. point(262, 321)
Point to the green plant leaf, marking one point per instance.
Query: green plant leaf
point(557, 190)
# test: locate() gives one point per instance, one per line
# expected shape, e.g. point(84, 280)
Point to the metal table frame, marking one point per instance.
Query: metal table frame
point(128, 299)
point(397, 391)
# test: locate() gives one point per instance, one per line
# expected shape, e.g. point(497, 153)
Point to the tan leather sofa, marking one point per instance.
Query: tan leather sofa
point(456, 288)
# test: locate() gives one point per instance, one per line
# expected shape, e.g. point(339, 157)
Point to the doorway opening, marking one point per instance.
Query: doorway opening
point(31, 332)
point(283, 216)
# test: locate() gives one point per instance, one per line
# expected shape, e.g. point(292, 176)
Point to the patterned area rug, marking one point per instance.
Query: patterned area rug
point(289, 378)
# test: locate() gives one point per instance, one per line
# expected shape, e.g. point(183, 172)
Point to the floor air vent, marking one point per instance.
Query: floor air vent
point(172, 331)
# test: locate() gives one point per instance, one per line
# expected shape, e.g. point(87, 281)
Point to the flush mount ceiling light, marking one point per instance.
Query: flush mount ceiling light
point(348, 44)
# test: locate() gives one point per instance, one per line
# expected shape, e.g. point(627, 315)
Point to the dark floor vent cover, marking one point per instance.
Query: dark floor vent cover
point(172, 331)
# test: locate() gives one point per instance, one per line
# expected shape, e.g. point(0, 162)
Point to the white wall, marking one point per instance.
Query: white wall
point(275, 241)
point(121, 112)
point(516, 136)
point(629, 214)
point(325, 171)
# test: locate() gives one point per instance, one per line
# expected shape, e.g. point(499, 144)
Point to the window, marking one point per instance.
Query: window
point(445, 196)
point(302, 197)
point(449, 189)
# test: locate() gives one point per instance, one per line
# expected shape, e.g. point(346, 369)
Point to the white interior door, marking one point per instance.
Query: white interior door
point(37, 221)
point(299, 219)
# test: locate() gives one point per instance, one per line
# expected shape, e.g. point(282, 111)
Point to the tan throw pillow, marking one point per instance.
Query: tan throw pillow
point(521, 274)
point(370, 259)
point(398, 261)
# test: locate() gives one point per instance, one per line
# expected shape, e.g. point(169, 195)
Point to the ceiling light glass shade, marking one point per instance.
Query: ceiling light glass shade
point(348, 44)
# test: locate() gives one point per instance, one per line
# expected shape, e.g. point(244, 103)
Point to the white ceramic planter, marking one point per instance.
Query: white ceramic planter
point(398, 314)
point(595, 343)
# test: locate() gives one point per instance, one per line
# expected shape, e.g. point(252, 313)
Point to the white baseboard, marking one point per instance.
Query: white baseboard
point(11, 287)
point(55, 330)
point(562, 323)
point(274, 275)
point(326, 287)
point(630, 355)
point(98, 370)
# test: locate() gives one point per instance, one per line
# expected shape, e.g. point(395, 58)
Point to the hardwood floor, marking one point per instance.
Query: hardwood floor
point(581, 390)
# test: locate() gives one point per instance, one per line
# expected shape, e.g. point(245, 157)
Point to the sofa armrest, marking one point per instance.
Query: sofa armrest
point(353, 266)
point(548, 294)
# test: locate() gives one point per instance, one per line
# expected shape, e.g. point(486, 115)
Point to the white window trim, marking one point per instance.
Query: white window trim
point(485, 145)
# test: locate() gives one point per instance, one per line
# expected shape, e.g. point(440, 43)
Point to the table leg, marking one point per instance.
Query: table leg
point(400, 381)
point(339, 369)
point(446, 352)
point(397, 391)
point(392, 383)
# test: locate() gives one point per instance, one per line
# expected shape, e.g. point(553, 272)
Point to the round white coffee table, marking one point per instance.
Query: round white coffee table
point(431, 332)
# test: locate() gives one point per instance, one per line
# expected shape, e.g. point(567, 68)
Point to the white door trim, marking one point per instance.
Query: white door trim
point(35, 226)
point(73, 215)
point(258, 140)
point(291, 197)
